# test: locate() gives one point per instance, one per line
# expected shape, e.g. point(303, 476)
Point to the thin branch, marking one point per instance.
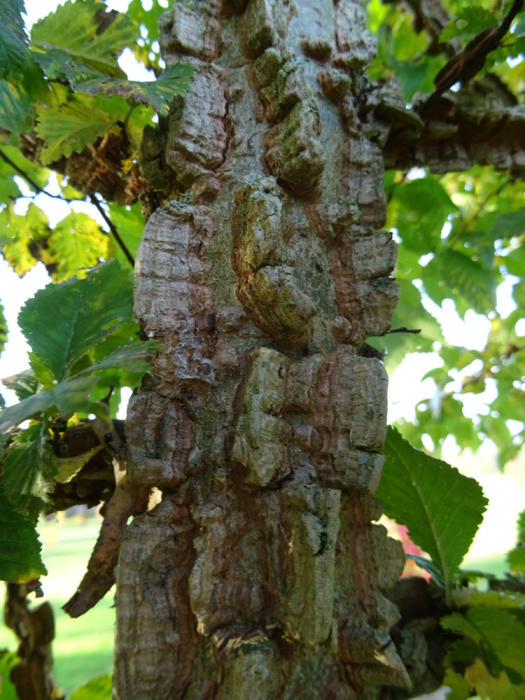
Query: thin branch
point(403, 330)
point(31, 182)
point(113, 229)
point(92, 198)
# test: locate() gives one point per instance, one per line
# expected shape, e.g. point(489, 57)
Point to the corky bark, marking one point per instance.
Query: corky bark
point(260, 573)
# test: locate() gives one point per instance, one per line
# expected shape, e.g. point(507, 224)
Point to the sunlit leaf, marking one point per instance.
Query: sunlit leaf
point(495, 627)
point(441, 508)
point(68, 397)
point(24, 384)
point(159, 93)
point(74, 31)
point(96, 689)
point(77, 243)
point(71, 121)
point(89, 310)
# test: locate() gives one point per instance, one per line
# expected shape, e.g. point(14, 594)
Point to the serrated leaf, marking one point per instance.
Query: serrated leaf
point(77, 243)
point(70, 121)
point(489, 686)
point(441, 508)
point(24, 384)
point(20, 559)
point(175, 80)
point(89, 310)
point(98, 688)
point(75, 29)
point(495, 627)
point(28, 468)
point(459, 687)
point(24, 237)
point(13, 39)
point(470, 20)
point(67, 397)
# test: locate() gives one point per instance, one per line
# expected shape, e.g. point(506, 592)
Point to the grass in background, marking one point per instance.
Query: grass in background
point(83, 648)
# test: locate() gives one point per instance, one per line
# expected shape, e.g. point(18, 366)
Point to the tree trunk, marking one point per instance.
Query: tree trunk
point(259, 573)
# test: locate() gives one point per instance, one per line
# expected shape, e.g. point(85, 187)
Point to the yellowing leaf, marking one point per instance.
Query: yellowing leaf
point(67, 467)
point(77, 243)
point(70, 121)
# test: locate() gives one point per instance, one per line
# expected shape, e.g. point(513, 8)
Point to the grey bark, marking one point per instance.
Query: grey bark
point(259, 573)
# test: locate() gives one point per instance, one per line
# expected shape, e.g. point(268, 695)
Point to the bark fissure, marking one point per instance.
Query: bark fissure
point(260, 574)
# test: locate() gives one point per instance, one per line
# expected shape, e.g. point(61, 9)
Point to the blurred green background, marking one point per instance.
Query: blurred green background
point(83, 648)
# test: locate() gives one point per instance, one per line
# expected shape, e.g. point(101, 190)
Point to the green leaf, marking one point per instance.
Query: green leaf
point(159, 93)
point(441, 508)
point(135, 356)
point(129, 223)
point(77, 242)
point(13, 40)
point(516, 560)
point(3, 329)
point(495, 627)
point(69, 121)
point(89, 310)
point(20, 559)
point(68, 397)
point(74, 30)
point(456, 276)
point(68, 467)
point(460, 688)
point(96, 689)
point(147, 51)
point(16, 108)
point(24, 237)
point(8, 660)
point(420, 208)
point(24, 384)
point(470, 20)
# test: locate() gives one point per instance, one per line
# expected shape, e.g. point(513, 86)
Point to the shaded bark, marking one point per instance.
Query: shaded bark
point(482, 124)
point(260, 573)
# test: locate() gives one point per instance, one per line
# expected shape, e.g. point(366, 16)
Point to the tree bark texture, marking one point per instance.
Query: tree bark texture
point(259, 574)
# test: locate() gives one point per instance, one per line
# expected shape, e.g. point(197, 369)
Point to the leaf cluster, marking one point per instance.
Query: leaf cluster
point(66, 82)
point(442, 510)
point(80, 359)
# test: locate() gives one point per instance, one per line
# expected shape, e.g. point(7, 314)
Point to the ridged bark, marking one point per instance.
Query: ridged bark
point(260, 574)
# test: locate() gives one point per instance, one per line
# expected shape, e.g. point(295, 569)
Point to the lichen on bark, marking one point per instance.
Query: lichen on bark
point(260, 574)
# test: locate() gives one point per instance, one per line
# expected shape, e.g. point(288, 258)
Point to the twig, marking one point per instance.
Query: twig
point(93, 199)
point(113, 229)
point(403, 330)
